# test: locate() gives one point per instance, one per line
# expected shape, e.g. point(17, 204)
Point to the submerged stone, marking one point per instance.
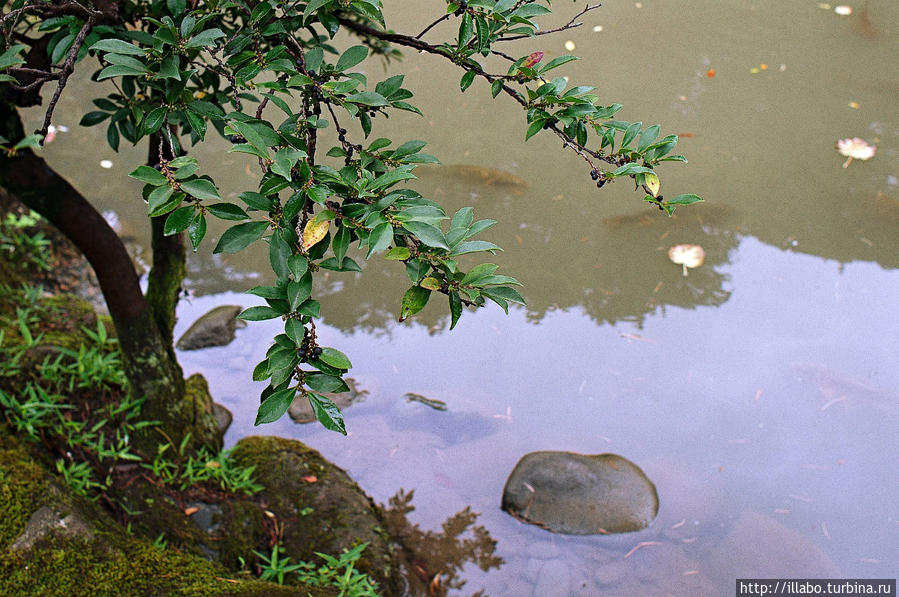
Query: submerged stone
point(580, 494)
point(215, 328)
point(301, 410)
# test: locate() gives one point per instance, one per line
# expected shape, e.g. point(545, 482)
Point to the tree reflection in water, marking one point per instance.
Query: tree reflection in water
point(434, 560)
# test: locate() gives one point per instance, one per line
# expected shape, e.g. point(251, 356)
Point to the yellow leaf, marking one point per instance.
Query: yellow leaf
point(652, 183)
point(314, 232)
point(430, 283)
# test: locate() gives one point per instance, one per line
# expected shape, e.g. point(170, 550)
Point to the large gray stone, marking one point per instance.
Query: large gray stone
point(216, 328)
point(580, 494)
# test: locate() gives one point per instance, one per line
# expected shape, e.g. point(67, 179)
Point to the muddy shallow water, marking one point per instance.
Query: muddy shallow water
point(759, 393)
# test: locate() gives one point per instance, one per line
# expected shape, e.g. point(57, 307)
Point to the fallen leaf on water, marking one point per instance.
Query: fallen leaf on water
point(309, 478)
point(191, 510)
point(855, 149)
point(710, 73)
point(689, 256)
point(843, 10)
point(854, 105)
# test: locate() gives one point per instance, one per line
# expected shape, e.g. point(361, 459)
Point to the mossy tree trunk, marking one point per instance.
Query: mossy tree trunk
point(169, 263)
point(143, 324)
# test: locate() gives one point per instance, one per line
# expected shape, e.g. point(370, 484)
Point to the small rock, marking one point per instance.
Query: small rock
point(222, 416)
point(48, 519)
point(216, 328)
point(580, 494)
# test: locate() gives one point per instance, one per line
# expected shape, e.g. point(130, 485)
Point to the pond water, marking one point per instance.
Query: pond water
point(759, 392)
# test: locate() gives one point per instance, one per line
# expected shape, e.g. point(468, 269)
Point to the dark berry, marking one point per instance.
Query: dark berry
point(594, 174)
point(600, 184)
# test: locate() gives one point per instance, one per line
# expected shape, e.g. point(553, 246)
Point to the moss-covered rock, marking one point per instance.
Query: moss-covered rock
point(318, 507)
point(53, 542)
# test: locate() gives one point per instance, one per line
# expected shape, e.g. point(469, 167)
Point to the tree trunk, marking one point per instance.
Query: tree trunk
point(144, 333)
point(169, 265)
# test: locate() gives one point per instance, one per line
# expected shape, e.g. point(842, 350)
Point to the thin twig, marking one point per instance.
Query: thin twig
point(432, 25)
point(569, 25)
point(67, 69)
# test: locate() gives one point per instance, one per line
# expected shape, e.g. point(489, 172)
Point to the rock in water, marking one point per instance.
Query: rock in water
point(580, 494)
point(216, 328)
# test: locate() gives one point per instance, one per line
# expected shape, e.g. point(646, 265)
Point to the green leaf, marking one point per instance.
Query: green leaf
point(322, 382)
point(259, 313)
point(335, 358)
point(204, 38)
point(327, 412)
point(256, 201)
point(226, 211)
point(197, 230)
point(295, 330)
point(312, 7)
point(496, 87)
point(478, 272)
point(558, 61)
point(117, 46)
point(467, 80)
point(474, 246)
point(95, 117)
point(380, 238)
point(119, 70)
point(298, 266)
point(455, 303)
point(278, 252)
point(240, 236)
point(11, 56)
point(310, 307)
point(153, 120)
point(392, 177)
point(398, 254)
point(178, 220)
point(631, 133)
point(202, 189)
point(630, 169)
point(274, 407)
point(427, 234)
point(413, 301)
point(159, 198)
point(687, 199)
point(351, 57)
point(648, 137)
point(341, 242)
point(207, 109)
point(254, 135)
point(534, 128)
point(367, 98)
point(299, 290)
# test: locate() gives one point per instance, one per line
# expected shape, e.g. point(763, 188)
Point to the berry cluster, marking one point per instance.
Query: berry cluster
point(308, 348)
point(463, 5)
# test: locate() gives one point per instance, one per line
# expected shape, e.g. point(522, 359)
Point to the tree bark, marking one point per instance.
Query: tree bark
point(169, 264)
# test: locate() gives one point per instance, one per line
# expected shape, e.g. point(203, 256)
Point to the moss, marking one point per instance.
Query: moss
point(318, 507)
point(23, 487)
point(104, 557)
point(243, 530)
point(64, 566)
